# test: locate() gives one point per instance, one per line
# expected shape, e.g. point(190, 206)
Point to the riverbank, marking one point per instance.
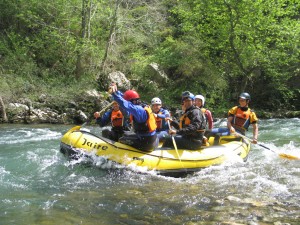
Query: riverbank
point(80, 107)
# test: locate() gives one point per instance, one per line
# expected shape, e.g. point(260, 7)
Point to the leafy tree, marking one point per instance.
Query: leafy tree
point(217, 48)
point(249, 41)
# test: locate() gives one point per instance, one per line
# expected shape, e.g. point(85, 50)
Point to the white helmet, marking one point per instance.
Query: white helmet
point(155, 101)
point(200, 97)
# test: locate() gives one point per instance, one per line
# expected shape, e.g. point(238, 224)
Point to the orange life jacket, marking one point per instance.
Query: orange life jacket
point(158, 121)
point(147, 127)
point(117, 118)
point(241, 119)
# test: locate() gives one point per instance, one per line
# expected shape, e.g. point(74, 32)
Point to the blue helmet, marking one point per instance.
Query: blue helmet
point(187, 94)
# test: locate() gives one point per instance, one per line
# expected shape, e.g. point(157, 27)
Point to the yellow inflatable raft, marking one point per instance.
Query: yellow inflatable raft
point(163, 160)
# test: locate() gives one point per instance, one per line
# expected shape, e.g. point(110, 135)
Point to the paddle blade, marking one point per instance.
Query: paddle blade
point(286, 156)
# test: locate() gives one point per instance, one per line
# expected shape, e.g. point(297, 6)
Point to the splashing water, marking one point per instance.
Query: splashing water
point(39, 185)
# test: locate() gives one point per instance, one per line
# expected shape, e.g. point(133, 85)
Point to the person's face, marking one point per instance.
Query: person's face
point(182, 106)
point(134, 101)
point(198, 102)
point(156, 107)
point(187, 102)
point(116, 106)
point(243, 102)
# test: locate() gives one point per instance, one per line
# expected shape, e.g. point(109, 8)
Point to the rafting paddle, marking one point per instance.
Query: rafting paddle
point(282, 155)
point(99, 113)
point(105, 108)
point(174, 142)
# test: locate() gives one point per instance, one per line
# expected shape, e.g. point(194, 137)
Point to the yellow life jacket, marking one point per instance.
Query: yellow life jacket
point(117, 118)
point(184, 121)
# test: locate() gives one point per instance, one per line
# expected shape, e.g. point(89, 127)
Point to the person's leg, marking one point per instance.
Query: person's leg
point(223, 131)
point(182, 143)
point(162, 135)
point(187, 143)
point(215, 133)
point(106, 133)
point(115, 135)
point(178, 140)
point(129, 138)
point(144, 143)
point(148, 143)
point(168, 143)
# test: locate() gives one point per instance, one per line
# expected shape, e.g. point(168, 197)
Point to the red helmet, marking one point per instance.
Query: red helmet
point(131, 94)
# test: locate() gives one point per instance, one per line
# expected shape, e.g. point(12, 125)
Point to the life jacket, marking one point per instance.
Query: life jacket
point(146, 127)
point(117, 118)
point(159, 121)
point(184, 121)
point(241, 119)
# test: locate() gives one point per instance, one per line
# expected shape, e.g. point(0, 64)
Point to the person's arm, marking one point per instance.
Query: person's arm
point(210, 119)
point(165, 114)
point(138, 112)
point(255, 133)
point(229, 120)
point(231, 114)
point(104, 120)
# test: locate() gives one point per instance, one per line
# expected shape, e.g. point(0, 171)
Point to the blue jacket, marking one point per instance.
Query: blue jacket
point(164, 114)
point(137, 111)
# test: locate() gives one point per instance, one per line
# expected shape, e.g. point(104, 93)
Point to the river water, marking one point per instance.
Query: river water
point(38, 185)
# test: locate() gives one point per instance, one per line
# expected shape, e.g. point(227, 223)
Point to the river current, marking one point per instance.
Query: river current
point(38, 185)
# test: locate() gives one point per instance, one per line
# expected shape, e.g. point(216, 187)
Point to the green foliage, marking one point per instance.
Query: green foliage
point(245, 39)
point(216, 48)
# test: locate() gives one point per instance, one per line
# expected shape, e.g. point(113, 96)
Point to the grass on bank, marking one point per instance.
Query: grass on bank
point(59, 89)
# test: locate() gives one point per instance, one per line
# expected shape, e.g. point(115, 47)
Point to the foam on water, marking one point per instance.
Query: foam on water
point(3, 172)
point(104, 163)
point(274, 151)
point(38, 184)
point(18, 136)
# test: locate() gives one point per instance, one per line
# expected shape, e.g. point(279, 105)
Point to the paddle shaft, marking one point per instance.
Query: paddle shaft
point(100, 113)
point(249, 139)
point(283, 155)
point(105, 108)
point(174, 142)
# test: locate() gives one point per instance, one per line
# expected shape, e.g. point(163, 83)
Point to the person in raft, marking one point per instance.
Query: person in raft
point(160, 115)
point(189, 133)
point(118, 119)
point(239, 119)
point(200, 101)
point(143, 121)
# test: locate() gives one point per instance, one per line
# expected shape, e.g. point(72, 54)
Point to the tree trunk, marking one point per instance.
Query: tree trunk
point(236, 54)
point(111, 36)
point(2, 110)
point(85, 33)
